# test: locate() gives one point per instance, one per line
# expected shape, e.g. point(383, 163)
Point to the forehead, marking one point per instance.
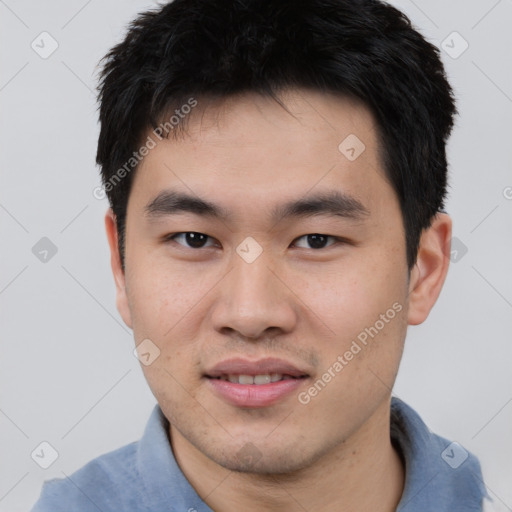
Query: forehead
point(250, 119)
point(250, 147)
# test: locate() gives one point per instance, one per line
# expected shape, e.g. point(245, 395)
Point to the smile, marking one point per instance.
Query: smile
point(258, 380)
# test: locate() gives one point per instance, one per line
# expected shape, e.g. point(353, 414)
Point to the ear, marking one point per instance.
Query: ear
point(429, 272)
point(117, 270)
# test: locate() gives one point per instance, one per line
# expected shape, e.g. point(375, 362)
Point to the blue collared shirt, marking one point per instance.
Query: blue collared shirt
point(144, 476)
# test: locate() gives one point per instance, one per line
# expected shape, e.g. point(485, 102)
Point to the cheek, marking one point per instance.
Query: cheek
point(173, 376)
point(352, 296)
point(161, 295)
point(166, 305)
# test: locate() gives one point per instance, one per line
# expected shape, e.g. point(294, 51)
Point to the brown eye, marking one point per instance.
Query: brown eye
point(191, 239)
point(316, 241)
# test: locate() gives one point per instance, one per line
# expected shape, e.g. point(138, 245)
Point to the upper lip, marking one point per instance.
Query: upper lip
point(240, 366)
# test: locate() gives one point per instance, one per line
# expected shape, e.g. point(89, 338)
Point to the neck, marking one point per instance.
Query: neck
point(339, 480)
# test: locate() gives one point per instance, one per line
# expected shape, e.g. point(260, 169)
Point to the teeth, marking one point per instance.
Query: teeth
point(265, 378)
point(262, 379)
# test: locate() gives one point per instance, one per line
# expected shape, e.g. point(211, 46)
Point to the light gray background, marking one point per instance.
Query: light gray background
point(68, 375)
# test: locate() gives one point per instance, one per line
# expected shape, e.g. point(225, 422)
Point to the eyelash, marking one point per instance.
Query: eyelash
point(173, 236)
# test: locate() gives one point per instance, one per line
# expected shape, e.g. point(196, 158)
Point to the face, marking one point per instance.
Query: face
point(262, 244)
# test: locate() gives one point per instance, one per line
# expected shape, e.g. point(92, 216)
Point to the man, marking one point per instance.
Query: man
point(276, 173)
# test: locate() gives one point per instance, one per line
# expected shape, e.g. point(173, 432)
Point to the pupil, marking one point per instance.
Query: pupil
point(195, 239)
point(317, 241)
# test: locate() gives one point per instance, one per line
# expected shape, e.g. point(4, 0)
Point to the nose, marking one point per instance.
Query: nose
point(254, 298)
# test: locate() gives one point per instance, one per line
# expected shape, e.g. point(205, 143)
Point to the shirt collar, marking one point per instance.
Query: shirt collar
point(166, 487)
point(439, 474)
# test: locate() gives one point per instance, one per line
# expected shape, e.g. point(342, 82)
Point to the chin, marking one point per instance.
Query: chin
point(271, 459)
point(265, 465)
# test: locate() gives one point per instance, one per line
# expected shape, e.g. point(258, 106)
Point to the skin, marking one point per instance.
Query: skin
point(305, 305)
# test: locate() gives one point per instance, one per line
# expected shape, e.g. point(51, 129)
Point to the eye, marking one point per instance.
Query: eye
point(190, 239)
point(316, 241)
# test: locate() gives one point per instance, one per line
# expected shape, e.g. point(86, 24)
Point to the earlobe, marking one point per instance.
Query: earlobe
point(117, 270)
point(429, 272)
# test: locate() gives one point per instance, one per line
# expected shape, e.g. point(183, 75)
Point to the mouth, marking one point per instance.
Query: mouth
point(254, 384)
point(255, 380)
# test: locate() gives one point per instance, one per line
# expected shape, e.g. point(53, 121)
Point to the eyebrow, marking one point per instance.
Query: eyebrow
point(330, 203)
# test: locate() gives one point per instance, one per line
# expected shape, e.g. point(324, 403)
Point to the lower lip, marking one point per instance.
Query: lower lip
point(254, 395)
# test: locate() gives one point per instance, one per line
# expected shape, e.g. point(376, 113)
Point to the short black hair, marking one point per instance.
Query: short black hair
point(220, 48)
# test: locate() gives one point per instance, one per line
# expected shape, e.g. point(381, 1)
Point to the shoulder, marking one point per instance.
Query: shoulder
point(106, 483)
point(490, 505)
